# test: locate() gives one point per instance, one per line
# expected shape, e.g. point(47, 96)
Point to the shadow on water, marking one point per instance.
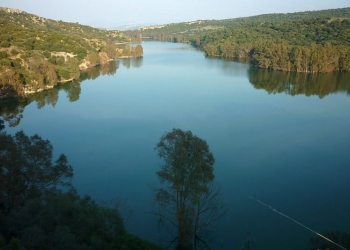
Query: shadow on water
point(292, 83)
point(11, 109)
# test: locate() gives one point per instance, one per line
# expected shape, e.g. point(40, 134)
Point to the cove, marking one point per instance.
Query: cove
point(279, 137)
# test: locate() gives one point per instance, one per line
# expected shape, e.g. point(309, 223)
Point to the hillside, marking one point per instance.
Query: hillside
point(33, 22)
point(317, 41)
point(37, 53)
point(186, 30)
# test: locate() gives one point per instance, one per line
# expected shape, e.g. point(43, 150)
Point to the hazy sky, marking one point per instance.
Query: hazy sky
point(117, 12)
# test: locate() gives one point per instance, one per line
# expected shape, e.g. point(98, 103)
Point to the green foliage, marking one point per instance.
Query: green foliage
point(126, 51)
point(47, 54)
point(39, 208)
point(32, 22)
point(5, 62)
point(11, 83)
point(16, 64)
point(72, 67)
point(3, 54)
point(110, 49)
point(93, 58)
point(63, 73)
point(25, 54)
point(64, 221)
point(317, 58)
point(5, 44)
point(60, 60)
point(314, 45)
point(14, 52)
point(196, 30)
point(138, 51)
point(27, 169)
point(24, 35)
point(272, 41)
point(186, 175)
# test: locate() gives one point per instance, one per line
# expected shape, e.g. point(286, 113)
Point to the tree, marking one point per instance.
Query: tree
point(138, 51)
point(27, 169)
point(93, 58)
point(10, 82)
point(227, 49)
point(2, 126)
point(111, 50)
point(36, 213)
point(210, 49)
point(72, 66)
point(45, 71)
point(185, 195)
point(126, 51)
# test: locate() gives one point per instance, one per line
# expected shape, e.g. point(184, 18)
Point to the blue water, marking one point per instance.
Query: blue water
point(290, 152)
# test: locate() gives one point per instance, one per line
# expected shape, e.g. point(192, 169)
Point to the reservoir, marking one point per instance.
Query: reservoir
point(282, 138)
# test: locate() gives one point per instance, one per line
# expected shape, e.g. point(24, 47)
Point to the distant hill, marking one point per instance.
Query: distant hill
point(36, 53)
point(129, 26)
point(200, 27)
point(312, 41)
point(30, 21)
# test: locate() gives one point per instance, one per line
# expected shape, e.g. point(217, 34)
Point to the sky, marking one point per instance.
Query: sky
point(109, 13)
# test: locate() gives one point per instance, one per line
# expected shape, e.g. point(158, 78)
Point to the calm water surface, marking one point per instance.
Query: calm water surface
point(282, 138)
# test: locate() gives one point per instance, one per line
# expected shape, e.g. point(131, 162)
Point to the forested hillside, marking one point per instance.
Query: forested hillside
point(37, 53)
point(317, 41)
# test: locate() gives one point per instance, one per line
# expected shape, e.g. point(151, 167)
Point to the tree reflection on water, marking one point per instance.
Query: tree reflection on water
point(11, 109)
point(292, 83)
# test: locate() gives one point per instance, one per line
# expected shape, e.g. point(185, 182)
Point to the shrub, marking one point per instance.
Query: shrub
point(5, 44)
point(14, 52)
point(46, 54)
point(63, 73)
point(5, 62)
point(3, 54)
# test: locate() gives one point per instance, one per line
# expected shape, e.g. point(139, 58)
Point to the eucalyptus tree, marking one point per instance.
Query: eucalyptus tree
point(186, 198)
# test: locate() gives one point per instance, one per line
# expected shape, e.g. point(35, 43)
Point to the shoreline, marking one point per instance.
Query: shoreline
point(29, 92)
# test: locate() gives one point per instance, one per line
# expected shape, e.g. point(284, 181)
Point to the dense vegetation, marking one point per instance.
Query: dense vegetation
point(37, 53)
point(40, 209)
point(317, 41)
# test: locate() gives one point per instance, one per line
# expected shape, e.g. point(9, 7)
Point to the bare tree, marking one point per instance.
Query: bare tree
point(210, 209)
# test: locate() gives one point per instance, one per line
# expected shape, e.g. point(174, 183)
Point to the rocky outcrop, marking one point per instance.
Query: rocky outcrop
point(11, 10)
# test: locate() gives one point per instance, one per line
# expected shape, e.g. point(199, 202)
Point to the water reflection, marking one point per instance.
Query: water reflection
point(11, 109)
point(73, 90)
point(132, 62)
point(229, 66)
point(109, 68)
point(292, 83)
